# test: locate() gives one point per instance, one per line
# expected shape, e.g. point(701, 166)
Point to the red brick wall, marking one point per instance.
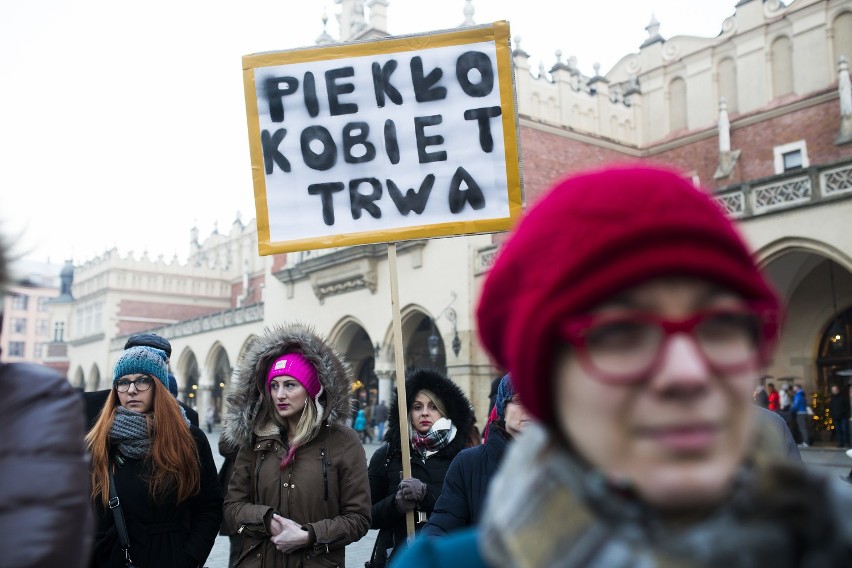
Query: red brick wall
point(157, 313)
point(547, 157)
point(817, 126)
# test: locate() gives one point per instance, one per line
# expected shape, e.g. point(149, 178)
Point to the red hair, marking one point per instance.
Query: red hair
point(173, 458)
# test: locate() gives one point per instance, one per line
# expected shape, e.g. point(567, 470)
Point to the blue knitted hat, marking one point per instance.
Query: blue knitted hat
point(504, 392)
point(146, 360)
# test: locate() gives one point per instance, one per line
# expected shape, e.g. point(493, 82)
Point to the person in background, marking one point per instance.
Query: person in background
point(299, 492)
point(440, 418)
point(761, 398)
point(94, 400)
point(467, 480)
point(838, 407)
point(773, 398)
point(635, 323)
point(45, 514)
point(784, 398)
point(380, 416)
point(799, 409)
point(208, 419)
point(162, 470)
point(360, 426)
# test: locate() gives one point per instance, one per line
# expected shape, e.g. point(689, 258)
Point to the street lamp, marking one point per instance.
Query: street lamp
point(433, 342)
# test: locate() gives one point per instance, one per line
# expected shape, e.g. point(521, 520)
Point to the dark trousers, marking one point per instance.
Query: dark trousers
point(841, 429)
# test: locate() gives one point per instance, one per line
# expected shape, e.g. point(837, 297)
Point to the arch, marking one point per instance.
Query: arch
point(842, 35)
point(187, 375)
point(815, 281)
point(677, 105)
point(727, 73)
point(95, 378)
point(352, 340)
point(79, 379)
point(417, 327)
point(218, 377)
point(782, 66)
point(245, 347)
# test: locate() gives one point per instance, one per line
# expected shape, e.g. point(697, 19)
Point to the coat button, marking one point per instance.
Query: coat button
point(286, 485)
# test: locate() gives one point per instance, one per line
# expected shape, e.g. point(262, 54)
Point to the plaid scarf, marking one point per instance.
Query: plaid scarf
point(439, 435)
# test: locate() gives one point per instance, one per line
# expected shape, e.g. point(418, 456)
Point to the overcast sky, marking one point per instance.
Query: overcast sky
point(123, 123)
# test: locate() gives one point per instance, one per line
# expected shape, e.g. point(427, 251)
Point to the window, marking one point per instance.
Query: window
point(792, 156)
point(16, 349)
point(18, 325)
point(42, 304)
point(59, 331)
point(782, 67)
point(19, 302)
point(792, 160)
point(42, 327)
point(677, 105)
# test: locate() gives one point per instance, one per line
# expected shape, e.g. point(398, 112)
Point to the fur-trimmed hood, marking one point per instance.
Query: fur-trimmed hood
point(245, 407)
point(459, 409)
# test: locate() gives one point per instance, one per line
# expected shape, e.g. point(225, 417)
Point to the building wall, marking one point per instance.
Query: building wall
point(34, 319)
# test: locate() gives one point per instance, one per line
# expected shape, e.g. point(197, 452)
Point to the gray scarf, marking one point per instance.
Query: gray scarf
point(130, 433)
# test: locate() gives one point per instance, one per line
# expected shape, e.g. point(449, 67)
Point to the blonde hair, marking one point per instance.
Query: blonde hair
point(306, 429)
point(439, 404)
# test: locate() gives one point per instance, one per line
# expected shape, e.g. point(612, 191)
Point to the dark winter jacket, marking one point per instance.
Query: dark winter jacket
point(163, 534)
point(466, 485)
point(45, 513)
point(386, 463)
point(226, 470)
point(324, 489)
point(838, 406)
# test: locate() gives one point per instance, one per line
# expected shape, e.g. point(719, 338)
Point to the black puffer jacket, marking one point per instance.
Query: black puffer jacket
point(386, 464)
point(45, 513)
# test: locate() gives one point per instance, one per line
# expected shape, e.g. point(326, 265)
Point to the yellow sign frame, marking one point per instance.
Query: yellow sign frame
point(497, 32)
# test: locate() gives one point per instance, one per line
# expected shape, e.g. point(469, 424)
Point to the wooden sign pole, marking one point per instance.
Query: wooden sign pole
point(400, 379)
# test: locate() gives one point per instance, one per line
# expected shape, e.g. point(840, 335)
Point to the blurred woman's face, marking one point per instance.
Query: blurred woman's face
point(678, 432)
point(423, 413)
point(139, 393)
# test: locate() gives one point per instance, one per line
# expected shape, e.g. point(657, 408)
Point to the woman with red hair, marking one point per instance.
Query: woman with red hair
point(161, 469)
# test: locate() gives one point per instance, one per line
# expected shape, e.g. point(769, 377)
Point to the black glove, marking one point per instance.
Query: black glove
point(412, 489)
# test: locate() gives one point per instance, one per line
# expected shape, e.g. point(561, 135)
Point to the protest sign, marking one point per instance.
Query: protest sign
point(385, 140)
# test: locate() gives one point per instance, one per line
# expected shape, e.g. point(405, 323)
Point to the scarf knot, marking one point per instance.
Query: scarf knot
point(439, 435)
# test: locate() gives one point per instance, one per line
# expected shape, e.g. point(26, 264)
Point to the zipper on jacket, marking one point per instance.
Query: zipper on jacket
point(324, 474)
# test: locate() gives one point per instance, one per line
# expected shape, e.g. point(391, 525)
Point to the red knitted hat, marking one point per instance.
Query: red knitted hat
point(594, 235)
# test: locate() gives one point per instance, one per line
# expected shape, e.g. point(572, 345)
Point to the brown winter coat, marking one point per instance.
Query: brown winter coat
point(325, 488)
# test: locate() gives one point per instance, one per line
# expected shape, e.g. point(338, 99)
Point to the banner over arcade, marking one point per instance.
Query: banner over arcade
point(387, 140)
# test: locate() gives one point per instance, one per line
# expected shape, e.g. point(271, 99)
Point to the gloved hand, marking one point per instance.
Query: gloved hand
point(403, 505)
point(412, 489)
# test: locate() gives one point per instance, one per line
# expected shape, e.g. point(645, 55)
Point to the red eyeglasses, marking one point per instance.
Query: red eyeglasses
point(622, 349)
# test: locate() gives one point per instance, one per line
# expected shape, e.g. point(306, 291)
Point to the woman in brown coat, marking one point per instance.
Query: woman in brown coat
point(299, 492)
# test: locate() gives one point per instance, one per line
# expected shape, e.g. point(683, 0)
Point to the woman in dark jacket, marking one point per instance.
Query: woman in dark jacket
point(466, 484)
point(440, 419)
point(163, 470)
point(299, 492)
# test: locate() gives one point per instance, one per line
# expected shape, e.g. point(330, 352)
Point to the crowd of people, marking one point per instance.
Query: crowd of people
point(632, 325)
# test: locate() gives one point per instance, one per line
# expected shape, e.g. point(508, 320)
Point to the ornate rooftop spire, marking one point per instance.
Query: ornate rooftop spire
point(324, 38)
point(653, 29)
point(468, 14)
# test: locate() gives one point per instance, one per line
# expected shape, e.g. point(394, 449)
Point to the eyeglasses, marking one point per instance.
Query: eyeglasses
point(142, 384)
point(627, 348)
